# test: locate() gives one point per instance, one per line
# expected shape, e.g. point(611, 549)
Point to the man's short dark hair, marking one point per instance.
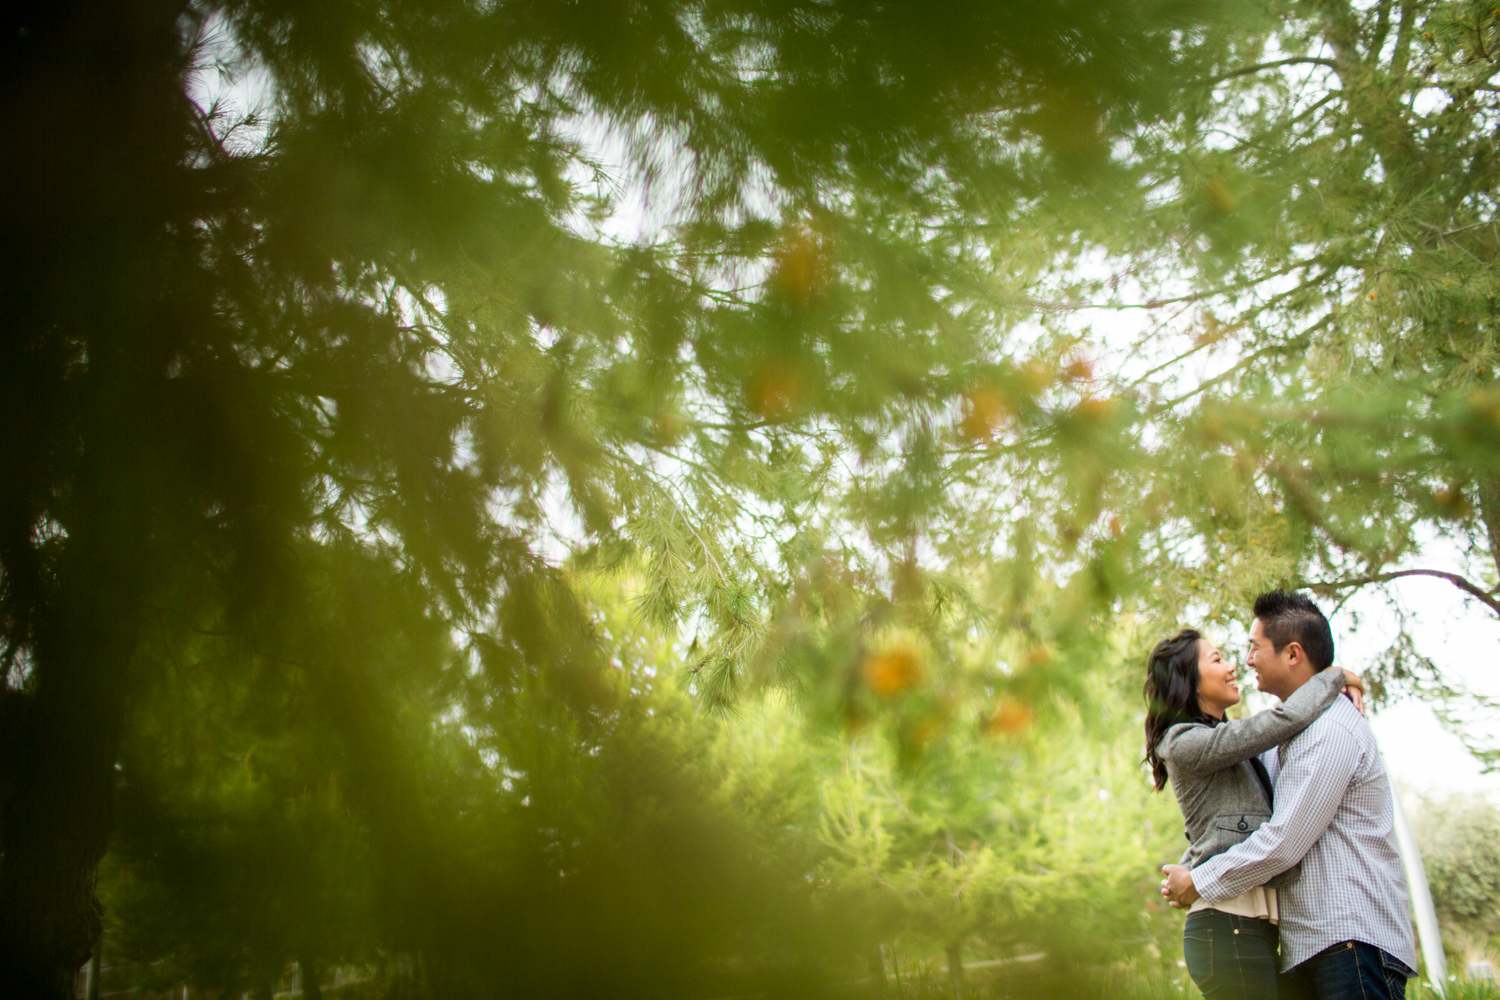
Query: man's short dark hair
point(1292, 617)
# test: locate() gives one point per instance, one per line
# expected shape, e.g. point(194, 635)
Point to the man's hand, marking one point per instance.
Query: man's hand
point(1354, 688)
point(1178, 886)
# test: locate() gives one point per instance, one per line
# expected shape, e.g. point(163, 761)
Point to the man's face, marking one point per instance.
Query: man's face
point(1272, 669)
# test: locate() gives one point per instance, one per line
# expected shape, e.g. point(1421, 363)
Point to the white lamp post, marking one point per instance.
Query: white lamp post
point(1428, 936)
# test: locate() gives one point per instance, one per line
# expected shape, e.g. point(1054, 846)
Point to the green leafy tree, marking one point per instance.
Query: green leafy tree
point(1315, 264)
point(243, 840)
point(1458, 838)
point(384, 339)
point(1016, 826)
point(540, 850)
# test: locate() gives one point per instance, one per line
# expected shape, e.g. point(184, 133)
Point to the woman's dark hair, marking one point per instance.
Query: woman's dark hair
point(1171, 694)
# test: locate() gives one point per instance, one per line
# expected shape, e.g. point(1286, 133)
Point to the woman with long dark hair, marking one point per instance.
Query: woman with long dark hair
point(1224, 791)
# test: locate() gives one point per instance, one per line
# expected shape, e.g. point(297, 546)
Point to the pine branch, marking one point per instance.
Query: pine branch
point(1247, 70)
point(1208, 293)
point(1301, 495)
point(1301, 340)
point(1473, 589)
point(1402, 54)
point(1382, 28)
point(1440, 233)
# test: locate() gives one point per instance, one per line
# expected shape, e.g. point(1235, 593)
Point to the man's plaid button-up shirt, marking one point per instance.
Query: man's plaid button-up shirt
point(1333, 811)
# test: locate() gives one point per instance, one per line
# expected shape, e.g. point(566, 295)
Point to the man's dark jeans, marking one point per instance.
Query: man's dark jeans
point(1350, 970)
point(1230, 957)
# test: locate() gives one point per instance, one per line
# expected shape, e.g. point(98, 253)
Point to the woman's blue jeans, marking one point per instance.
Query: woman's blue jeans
point(1230, 957)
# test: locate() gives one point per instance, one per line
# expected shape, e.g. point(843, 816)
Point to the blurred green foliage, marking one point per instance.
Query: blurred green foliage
point(656, 849)
point(304, 408)
point(1458, 837)
point(1317, 262)
point(403, 570)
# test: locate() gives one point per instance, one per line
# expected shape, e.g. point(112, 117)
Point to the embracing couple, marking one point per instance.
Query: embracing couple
point(1292, 882)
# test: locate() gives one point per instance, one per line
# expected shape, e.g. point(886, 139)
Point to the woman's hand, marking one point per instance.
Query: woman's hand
point(1178, 887)
point(1354, 689)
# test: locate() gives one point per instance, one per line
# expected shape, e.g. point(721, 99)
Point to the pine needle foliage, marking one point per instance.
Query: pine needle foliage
point(1315, 262)
point(339, 383)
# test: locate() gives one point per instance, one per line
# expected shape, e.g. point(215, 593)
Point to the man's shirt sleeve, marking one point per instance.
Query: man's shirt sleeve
point(1309, 788)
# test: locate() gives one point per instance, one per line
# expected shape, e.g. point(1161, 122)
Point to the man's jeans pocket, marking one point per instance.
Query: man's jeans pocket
point(1353, 970)
point(1396, 972)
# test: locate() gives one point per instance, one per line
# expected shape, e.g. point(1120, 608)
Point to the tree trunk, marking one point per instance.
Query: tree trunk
point(82, 275)
point(57, 817)
point(56, 828)
point(1489, 513)
point(94, 971)
point(308, 972)
point(956, 969)
point(877, 966)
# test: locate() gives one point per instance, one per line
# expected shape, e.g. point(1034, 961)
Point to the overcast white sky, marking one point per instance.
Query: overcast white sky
point(1463, 638)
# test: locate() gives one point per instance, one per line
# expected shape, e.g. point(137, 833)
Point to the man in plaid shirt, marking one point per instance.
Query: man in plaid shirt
point(1345, 924)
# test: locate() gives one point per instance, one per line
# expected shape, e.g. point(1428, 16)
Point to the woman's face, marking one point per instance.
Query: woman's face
point(1216, 687)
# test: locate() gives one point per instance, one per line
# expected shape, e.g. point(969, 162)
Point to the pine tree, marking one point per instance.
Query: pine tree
point(1318, 265)
point(247, 373)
